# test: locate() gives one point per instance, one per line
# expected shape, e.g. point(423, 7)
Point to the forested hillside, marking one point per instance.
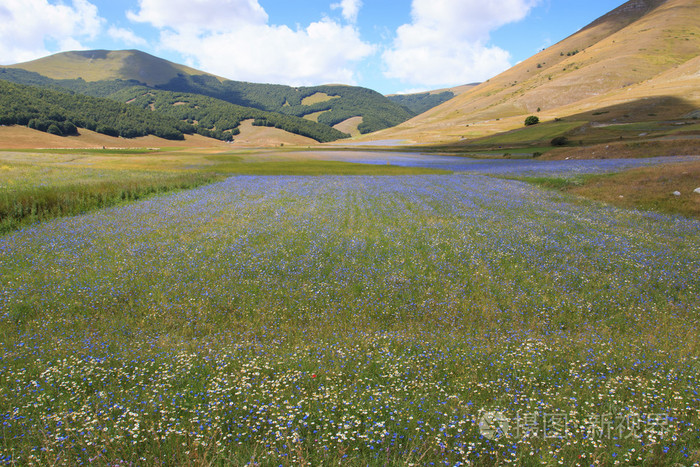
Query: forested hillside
point(336, 104)
point(345, 102)
point(215, 117)
point(419, 103)
point(62, 113)
point(219, 119)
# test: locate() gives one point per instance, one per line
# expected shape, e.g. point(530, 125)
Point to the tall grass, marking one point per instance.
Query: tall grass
point(31, 194)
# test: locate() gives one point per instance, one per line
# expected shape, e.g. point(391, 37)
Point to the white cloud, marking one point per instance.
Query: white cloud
point(350, 8)
point(323, 52)
point(446, 42)
point(30, 29)
point(240, 44)
point(199, 15)
point(126, 36)
point(413, 91)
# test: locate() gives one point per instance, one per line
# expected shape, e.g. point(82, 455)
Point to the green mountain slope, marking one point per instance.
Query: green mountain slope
point(422, 102)
point(61, 113)
point(211, 117)
point(105, 72)
point(219, 119)
point(79, 85)
point(341, 103)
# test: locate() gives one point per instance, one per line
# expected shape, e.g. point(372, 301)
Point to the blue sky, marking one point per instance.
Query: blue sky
point(390, 46)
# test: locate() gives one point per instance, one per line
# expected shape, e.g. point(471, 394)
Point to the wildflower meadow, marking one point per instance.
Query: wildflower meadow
point(352, 320)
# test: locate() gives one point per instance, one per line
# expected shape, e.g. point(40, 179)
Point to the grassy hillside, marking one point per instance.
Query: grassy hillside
point(61, 113)
point(104, 72)
point(611, 62)
point(107, 65)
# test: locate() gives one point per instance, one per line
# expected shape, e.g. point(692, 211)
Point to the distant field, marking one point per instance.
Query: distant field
point(43, 184)
point(430, 319)
point(317, 98)
point(227, 165)
point(314, 116)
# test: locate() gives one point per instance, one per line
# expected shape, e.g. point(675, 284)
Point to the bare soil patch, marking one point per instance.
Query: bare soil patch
point(261, 136)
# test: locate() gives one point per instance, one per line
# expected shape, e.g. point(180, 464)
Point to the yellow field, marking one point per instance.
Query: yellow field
point(20, 137)
point(318, 98)
point(349, 126)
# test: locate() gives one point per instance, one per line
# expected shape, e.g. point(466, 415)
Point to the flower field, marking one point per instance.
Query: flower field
point(352, 320)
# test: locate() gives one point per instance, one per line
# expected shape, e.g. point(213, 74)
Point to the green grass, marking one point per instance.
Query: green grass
point(635, 131)
point(542, 132)
point(516, 151)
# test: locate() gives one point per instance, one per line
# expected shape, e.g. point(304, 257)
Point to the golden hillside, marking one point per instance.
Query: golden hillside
point(645, 50)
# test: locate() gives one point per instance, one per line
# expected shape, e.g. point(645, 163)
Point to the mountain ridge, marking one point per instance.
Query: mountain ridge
point(131, 64)
point(85, 71)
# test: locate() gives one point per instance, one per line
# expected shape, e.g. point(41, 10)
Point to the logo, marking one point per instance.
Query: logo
point(493, 424)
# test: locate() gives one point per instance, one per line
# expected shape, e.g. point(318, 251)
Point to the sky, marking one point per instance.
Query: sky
point(395, 46)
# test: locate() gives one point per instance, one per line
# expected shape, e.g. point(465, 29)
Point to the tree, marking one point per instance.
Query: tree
point(560, 141)
point(54, 130)
point(532, 120)
point(69, 129)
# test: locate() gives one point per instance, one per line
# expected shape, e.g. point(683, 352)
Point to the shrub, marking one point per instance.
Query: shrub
point(532, 120)
point(69, 129)
point(560, 141)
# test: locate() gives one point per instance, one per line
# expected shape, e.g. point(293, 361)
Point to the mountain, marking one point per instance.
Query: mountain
point(108, 65)
point(103, 73)
point(423, 101)
point(211, 117)
point(615, 69)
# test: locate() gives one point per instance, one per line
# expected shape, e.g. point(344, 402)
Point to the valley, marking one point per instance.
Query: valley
point(201, 271)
